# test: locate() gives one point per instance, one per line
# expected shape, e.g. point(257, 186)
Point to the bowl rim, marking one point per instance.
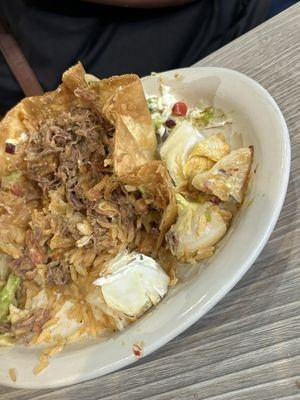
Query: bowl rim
point(200, 309)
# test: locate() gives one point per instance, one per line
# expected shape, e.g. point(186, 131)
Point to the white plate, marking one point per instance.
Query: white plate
point(261, 123)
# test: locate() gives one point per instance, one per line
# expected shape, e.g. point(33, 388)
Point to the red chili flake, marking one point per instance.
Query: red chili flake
point(170, 123)
point(10, 148)
point(138, 349)
point(179, 109)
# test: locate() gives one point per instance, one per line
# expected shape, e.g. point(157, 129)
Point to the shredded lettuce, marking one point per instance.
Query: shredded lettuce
point(181, 200)
point(153, 104)
point(202, 117)
point(157, 122)
point(141, 190)
point(207, 115)
point(197, 229)
point(7, 294)
point(207, 214)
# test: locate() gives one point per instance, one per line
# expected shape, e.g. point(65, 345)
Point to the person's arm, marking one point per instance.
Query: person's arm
point(142, 3)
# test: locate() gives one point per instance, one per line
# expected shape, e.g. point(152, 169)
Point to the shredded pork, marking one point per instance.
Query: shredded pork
point(58, 273)
point(5, 327)
point(62, 150)
point(32, 325)
point(82, 215)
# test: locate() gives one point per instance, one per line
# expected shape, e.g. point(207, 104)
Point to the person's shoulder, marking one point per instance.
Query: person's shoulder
point(142, 3)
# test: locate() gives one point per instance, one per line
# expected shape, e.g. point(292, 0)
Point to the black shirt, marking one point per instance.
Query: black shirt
point(108, 40)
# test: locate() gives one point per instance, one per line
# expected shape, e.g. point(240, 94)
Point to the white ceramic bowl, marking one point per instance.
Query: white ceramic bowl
point(261, 123)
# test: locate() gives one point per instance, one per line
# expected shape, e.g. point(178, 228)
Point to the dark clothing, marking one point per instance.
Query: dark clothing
point(55, 34)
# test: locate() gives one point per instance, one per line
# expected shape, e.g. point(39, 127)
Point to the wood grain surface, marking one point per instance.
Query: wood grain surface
point(248, 346)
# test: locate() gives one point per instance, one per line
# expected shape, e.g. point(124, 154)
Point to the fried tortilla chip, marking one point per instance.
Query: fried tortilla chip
point(134, 140)
point(228, 177)
point(197, 229)
point(154, 182)
point(120, 99)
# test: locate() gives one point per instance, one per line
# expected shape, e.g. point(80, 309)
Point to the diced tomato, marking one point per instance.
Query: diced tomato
point(179, 109)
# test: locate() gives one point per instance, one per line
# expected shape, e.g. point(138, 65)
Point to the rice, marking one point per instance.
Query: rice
point(44, 362)
point(51, 322)
point(73, 272)
point(76, 335)
point(51, 351)
point(44, 337)
point(75, 290)
point(58, 304)
point(12, 374)
point(74, 311)
point(92, 322)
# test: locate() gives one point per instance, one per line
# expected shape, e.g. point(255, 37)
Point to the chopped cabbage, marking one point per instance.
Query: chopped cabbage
point(228, 177)
point(213, 147)
point(133, 283)
point(174, 151)
point(197, 229)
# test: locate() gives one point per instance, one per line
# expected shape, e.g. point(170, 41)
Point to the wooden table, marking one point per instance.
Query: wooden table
point(248, 346)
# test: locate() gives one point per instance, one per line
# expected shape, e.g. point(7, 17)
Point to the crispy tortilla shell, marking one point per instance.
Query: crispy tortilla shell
point(120, 99)
point(155, 182)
